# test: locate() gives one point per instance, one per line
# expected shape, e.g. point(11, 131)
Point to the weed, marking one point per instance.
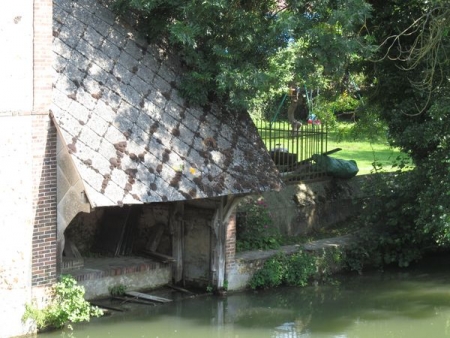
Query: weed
point(117, 290)
point(67, 306)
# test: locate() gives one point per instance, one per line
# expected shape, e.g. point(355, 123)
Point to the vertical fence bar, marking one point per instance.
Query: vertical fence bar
point(296, 161)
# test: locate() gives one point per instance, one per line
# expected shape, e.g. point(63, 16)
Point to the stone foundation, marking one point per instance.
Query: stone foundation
point(136, 273)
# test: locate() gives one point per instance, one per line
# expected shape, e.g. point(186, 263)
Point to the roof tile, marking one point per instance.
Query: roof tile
point(129, 131)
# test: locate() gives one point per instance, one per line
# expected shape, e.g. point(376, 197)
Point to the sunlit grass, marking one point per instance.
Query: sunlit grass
point(367, 150)
point(367, 154)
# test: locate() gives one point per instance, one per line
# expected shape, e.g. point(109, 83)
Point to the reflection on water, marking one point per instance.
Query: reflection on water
point(391, 304)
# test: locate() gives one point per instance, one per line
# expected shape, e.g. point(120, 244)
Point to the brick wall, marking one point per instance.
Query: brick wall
point(28, 171)
point(42, 56)
point(44, 201)
point(44, 150)
point(230, 244)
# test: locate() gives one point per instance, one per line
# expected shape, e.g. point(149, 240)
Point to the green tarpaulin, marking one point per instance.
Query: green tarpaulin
point(335, 167)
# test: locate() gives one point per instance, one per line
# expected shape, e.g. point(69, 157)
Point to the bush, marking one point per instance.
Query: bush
point(301, 267)
point(117, 290)
point(255, 228)
point(67, 306)
point(390, 233)
point(272, 273)
point(293, 270)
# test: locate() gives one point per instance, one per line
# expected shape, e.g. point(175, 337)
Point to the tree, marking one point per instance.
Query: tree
point(410, 87)
point(243, 53)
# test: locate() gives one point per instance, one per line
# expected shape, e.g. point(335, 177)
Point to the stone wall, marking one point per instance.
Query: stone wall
point(299, 209)
point(197, 246)
point(16, 223)
point(28, 170)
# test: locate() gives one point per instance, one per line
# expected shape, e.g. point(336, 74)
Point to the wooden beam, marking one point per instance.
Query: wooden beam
point(218, 247)
point(133, 300)
point(159, 256)
point(218, 239)
point(177, 230)
point(145, 296)
point(106, 307)
point(177, 288)
point(232, 202)
point(157, 238)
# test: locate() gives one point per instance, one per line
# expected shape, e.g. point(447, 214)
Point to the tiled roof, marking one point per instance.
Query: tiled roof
point(130, 134)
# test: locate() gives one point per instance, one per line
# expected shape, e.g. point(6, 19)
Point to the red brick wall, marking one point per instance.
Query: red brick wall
point(44, 150)
point(230, 243)
point(44, 201)
point(43, 56)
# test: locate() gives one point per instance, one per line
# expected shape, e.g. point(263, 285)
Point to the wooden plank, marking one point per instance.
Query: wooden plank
point(109, 236)
point(126, 248)
point(71, 251)
point(147, 297)
point(161, 257)
point(157, 238)
point(107, 307)
point(217, 249)
point(122, 233)
point(177, 288)
point(133, 300)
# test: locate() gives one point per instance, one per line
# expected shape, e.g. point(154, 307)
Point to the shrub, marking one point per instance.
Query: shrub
point(389, 231)
point(293, 270)
point(301, 267)
point(255, 228)
point(117, 290)
point(271, 274)
point(67, 306)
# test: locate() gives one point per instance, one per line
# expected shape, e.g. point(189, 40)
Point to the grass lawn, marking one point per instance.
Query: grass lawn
point(363, 151)
point(365, 154)
point(359, 148)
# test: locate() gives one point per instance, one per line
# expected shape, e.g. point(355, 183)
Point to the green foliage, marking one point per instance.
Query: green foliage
point(67, 306)
point(245, 53)
point(328, 261)
point(271, 274)
point(296, 269)
point(409, 90)
point(255, 227)
point(117, 290)
point(301, 266)
point(389, 231)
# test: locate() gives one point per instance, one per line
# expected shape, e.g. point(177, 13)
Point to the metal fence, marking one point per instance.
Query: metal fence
point(292, 148)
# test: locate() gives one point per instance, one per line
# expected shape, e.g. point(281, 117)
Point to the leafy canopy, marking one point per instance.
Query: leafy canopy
point(245, 52)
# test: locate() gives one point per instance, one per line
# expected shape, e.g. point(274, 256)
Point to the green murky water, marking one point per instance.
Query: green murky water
point(413, 303)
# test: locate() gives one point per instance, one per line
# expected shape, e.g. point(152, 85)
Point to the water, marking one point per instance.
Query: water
point(413, 303)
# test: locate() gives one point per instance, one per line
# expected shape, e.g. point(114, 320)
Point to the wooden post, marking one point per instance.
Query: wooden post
point(218, 240)
point(177, 231)
point(216, 250)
